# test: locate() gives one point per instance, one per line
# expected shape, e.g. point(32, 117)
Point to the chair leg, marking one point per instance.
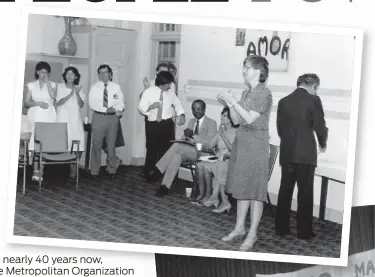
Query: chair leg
point(40, 175)
point(77, 174)
point(24, 180)
point(195, 185)
point(24, 168)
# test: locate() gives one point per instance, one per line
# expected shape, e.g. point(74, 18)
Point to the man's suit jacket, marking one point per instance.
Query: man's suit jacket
point(298, 116)
point(207, 131)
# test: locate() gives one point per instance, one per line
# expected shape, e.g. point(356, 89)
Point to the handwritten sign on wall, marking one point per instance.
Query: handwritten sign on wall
point(359, 265)
point(272, 45)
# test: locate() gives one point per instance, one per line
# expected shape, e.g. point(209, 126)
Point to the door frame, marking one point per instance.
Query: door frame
point(155, 39)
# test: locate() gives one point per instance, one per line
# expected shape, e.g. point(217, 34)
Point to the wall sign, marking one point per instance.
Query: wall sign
point(272, 45)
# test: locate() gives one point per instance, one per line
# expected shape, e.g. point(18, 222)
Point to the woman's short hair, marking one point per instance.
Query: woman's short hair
point(75, 72)
point(258, 62)
point(164, 78)
point(227, 110)
point(40, 66)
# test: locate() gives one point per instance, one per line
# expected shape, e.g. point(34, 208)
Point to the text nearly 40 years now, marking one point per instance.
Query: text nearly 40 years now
point(45, 259)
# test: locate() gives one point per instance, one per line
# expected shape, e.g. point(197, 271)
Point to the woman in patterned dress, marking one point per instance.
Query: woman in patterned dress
point(212, 174)
point(247, 177)
point(40, 98)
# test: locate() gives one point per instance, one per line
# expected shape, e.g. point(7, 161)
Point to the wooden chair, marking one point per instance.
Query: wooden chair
point(23, 157)
point(274, 151)
point(51, 146)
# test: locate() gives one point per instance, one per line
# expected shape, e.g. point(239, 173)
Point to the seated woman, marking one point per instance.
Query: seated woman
point(213, 174)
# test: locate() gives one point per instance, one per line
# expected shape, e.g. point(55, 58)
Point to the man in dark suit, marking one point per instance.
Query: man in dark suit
point(200, 129)
point(299, 115)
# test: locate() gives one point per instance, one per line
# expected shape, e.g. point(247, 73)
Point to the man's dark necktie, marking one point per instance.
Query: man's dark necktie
point(105, 96)
point(159, 116)
point(196, 131)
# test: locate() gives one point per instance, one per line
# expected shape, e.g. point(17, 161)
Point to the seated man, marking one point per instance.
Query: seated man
point(200, 129)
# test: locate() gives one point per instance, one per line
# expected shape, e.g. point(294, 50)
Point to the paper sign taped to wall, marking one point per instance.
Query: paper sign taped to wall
point(359, 265)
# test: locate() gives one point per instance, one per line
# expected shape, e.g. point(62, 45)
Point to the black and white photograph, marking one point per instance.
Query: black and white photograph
point(143, 136)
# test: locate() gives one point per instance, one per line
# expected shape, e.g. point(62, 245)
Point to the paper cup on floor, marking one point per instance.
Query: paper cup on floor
point(199, 146)
point(188, 192)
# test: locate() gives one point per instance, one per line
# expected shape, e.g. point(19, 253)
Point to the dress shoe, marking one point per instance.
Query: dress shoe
point(306, 237)
point(163, 190)
point(111, 176)
point(248, 244)
point(93, 177)
point(119, 162)
point(223, 209)
point(234, 235)
point(199, 198)
point(209, 203)
point(282, 233)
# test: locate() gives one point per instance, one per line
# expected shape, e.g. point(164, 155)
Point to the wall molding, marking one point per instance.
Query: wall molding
point(336, 103)
point(328, 114)
point(280, 88)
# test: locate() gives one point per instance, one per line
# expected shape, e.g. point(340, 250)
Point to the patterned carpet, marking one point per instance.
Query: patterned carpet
point(126, 210)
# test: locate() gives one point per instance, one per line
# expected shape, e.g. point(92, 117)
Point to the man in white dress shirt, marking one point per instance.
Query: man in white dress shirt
point(158, 103)
point(107, 102)
point(151, 83)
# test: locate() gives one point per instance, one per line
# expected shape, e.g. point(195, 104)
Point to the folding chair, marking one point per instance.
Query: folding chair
point(274, 151)
point(51, 146)
point(192, 166)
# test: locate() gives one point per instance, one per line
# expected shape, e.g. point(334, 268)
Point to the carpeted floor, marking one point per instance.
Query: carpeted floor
point(126, 210)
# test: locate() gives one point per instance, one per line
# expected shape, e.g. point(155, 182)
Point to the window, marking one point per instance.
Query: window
point(167, 28)
point(166, 51)
point(166, 39)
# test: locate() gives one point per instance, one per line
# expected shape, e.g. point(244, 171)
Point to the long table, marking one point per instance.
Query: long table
point(328, 173)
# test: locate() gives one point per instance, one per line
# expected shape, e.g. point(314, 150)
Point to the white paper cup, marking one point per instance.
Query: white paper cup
point(199, 146)
point(86, 120)
point(188, 192)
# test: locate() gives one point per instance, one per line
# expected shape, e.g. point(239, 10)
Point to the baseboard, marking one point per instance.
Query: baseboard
point(137, 161)
point(330, 215)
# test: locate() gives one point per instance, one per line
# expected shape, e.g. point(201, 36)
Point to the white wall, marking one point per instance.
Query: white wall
point(209, 57)
point(208, 53)
point(44, 32)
